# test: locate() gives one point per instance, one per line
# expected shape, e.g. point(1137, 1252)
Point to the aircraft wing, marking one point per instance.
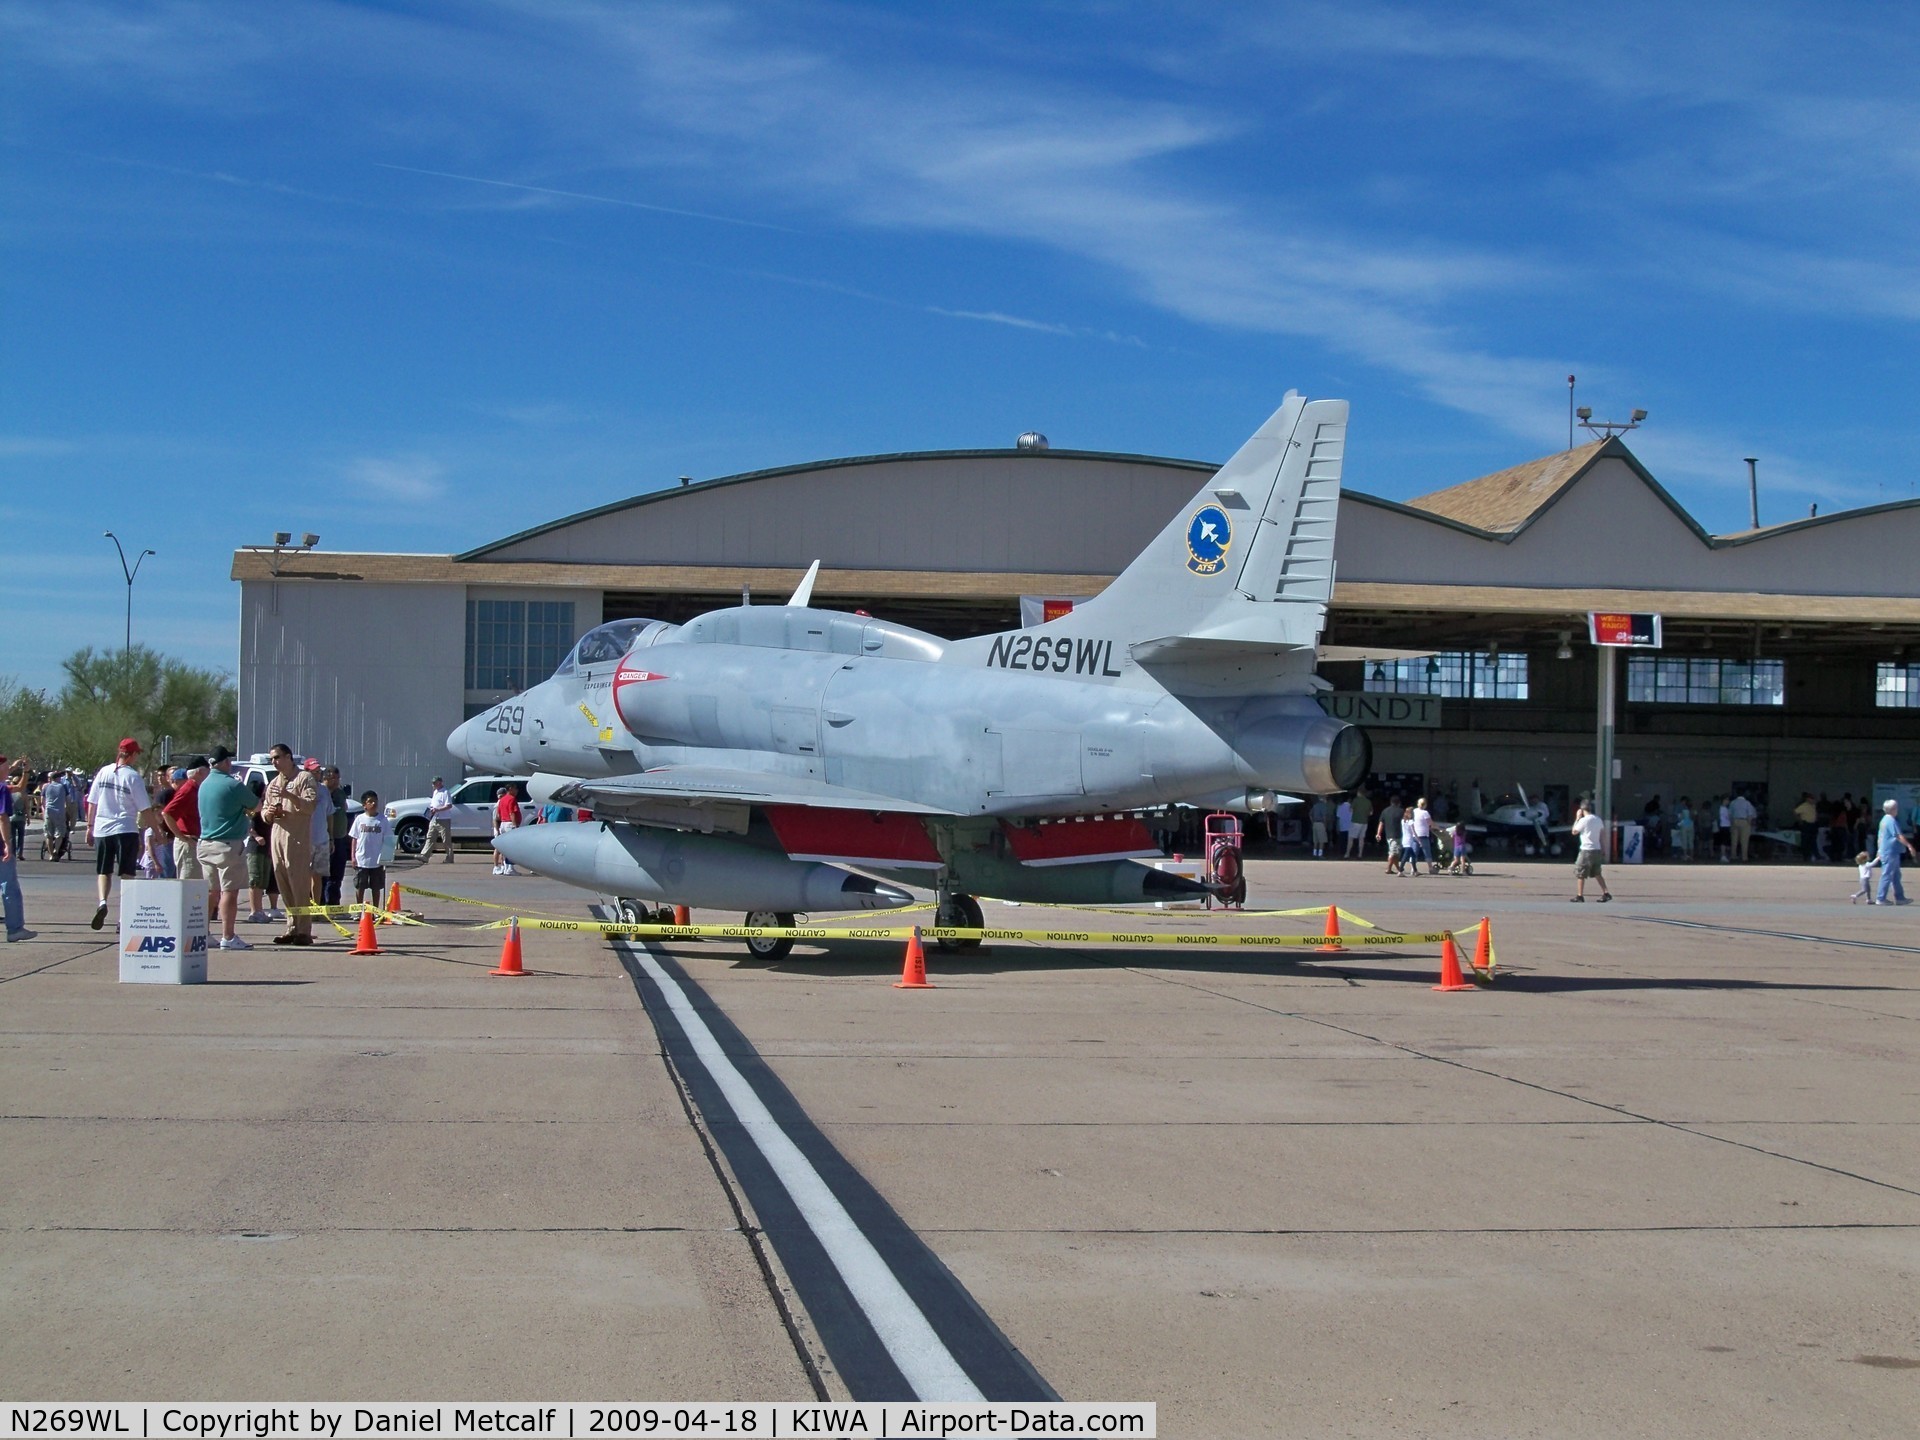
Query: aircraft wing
point(707, 797)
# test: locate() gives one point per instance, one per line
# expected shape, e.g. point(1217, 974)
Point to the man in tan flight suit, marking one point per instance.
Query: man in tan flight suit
point(288, 808)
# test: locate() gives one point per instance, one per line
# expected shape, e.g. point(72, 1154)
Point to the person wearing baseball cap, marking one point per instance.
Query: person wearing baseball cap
point(118, 809)
point(224, 805)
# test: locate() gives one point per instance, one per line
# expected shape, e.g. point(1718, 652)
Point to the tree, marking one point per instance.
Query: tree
point(109, 694)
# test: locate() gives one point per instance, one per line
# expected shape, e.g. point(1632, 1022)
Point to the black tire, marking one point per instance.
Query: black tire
point(960, 910)
point(632, 912)
point(768, 949)
point(410, 838)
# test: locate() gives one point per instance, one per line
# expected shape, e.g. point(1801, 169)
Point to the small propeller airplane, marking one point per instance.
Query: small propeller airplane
point(776, 759)
point(1525, 822)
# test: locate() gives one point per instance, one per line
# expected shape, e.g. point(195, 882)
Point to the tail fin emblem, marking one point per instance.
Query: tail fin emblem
point(1209, 534)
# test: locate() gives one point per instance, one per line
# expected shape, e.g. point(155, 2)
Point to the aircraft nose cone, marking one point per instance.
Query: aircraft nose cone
point(457, 743)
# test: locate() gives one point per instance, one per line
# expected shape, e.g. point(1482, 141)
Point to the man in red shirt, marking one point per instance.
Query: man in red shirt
point(181, 814)
point(506, 816)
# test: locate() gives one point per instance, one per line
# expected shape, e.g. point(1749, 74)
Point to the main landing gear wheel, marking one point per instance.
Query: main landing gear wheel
point(962, 911)
point(633, 912)
point(766, 948)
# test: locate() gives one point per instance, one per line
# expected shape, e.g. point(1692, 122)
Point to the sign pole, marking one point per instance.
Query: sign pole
point(1603, 745)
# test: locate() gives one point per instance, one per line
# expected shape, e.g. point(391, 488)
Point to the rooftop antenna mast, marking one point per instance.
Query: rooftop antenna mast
point(1569, 412)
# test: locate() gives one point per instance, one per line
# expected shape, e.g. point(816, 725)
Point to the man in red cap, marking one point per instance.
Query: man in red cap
point(118, 809)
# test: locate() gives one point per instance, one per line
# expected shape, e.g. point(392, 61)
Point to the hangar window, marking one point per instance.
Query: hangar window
point(1454, 674)
point(1896, 685)
point(1693, 680)
point(512, 644)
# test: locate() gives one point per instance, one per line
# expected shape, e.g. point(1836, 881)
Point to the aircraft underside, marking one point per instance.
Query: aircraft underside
point(788, 864)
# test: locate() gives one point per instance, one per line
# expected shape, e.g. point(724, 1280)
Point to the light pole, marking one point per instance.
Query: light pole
point(126, 655)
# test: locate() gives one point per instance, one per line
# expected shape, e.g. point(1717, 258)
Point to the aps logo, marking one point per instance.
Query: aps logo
point(1209, 534)
point(162, 944)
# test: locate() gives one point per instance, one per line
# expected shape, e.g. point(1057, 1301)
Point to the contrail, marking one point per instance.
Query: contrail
point(582, 195)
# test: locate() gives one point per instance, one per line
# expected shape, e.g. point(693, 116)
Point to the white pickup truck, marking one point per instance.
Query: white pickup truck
point(472, 817)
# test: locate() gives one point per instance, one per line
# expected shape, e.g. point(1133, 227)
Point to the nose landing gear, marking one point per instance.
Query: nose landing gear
point(962, 911)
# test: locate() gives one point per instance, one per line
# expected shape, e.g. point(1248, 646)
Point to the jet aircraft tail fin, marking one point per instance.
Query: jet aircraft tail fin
point(1241, 575)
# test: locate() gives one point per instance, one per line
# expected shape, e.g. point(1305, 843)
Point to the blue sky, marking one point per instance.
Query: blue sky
point(415, 276)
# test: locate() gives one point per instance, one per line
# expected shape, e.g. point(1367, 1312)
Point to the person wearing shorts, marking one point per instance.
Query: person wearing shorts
point(506, 816)
point(224, 805)
point(1588, 829)
point(369, 835)
point(118, 807)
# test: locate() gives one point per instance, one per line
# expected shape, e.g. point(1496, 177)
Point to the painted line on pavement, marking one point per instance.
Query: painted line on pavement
point(896, 1322)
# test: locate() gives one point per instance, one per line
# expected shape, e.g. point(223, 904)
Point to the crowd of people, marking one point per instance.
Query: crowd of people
point(286, 838)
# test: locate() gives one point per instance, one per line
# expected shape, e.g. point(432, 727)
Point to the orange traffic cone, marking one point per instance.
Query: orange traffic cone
point(1483, 952)
point(510, 951)
point(393, 903)
point(1333, 945)
point(1450, 976)
point(913, 974)
point(682, 915)
point(366, 944)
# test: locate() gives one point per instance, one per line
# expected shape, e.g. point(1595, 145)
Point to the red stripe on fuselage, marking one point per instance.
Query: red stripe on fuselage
point(854, 837)
point(1104, 837)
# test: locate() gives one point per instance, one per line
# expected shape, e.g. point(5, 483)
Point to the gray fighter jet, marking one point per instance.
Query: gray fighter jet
point(741, 761)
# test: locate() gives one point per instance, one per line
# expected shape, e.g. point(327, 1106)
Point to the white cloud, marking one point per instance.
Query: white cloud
point(410, 479)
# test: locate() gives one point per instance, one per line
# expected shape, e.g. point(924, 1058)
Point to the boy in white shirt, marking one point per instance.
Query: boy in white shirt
point(369, 833)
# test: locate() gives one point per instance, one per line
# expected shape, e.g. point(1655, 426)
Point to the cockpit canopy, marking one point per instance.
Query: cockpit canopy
point(602, 646)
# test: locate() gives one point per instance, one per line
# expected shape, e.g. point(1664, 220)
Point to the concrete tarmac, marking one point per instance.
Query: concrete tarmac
point(1661, 1179)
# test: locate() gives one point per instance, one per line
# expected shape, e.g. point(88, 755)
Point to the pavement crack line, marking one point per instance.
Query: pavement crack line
point(87, 953)
point(1534, 1085)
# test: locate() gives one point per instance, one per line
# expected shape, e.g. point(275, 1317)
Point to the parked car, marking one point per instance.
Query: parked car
point(472, 817)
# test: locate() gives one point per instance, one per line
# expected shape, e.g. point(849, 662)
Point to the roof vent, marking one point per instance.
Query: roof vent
point(1032, 440)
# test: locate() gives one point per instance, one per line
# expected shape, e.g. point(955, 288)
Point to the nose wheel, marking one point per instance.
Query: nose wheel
point(962, 911)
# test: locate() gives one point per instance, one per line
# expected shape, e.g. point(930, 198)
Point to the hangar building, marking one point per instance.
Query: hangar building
point(1791, 656)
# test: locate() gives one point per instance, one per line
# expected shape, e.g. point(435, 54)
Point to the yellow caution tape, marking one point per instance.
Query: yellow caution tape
point(617, 930)
point(1172, 939)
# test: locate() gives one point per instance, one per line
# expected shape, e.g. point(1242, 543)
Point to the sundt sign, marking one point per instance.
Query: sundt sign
point(1414, 712)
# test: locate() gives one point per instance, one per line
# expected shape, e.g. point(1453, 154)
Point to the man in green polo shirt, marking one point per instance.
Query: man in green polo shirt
point(225, 804)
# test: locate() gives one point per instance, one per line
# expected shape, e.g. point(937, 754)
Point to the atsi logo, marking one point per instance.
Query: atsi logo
point(1209, 534)
point(150, 945)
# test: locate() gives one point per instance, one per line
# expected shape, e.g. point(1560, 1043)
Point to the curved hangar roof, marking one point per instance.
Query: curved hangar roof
point(1586, 528)
point(995, 511)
